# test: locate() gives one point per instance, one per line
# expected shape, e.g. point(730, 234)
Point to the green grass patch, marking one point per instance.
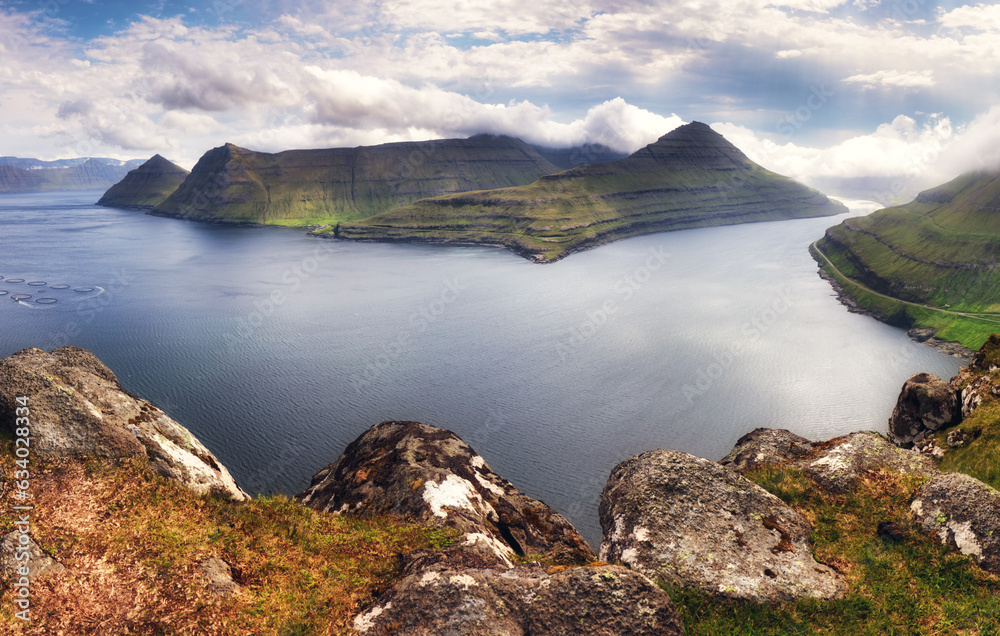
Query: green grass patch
point(915, 587)
point(970, 332)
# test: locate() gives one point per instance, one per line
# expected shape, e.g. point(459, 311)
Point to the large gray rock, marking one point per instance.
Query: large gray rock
point(219, 577)
point(965, 513)
point(835, 464)
point(79, 409)
point(432, 476)
point(694, 523)
point(926, 404)
point(39, 564)
point(437, 600)
point(764, 446)
point(977, 388)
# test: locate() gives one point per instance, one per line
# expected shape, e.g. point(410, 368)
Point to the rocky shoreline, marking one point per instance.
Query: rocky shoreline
point(671, 521)
point(923, 336)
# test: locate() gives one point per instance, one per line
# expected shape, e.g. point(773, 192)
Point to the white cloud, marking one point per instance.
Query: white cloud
point(556, 73)
point(901, 151)
point(907, 79)
point(977, 148)
point(981, 17)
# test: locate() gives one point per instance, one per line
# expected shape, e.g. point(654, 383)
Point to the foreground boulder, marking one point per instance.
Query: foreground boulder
point(965, 513)
point(79, 409)
point(835, 464)
point(693, 523)
point(430, 475)
point(767, 446)
point(926, 404)
point(435, 600)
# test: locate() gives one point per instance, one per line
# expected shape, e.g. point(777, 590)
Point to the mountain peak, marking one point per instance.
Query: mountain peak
point(694, 144)
point(147, 185)
point(159, 163)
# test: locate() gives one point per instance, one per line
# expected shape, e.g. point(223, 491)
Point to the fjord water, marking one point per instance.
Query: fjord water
point(277, 349)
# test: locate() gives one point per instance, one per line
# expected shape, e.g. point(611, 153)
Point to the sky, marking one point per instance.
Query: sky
point(868, 96)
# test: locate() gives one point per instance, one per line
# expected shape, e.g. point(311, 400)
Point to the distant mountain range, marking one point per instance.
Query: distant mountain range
point(19, 174)
point(690, 177)
point(932, 263)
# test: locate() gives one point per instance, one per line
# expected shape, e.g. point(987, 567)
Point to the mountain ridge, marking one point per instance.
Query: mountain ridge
point(85, 174)
point(307, 187)
point(690, 177)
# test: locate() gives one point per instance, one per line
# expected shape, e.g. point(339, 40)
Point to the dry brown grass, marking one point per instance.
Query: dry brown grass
point(132, 543)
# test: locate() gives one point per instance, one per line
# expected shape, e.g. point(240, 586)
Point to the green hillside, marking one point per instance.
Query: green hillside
point(937, 255)
point(312, 187)
point(146, 186)
point(691, 177)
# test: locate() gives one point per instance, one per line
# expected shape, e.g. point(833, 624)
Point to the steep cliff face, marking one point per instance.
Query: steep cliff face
point(146, 186)
point(304, 187)
point(691, 177)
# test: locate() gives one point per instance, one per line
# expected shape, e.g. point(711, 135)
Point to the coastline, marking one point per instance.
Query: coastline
point(916, 334)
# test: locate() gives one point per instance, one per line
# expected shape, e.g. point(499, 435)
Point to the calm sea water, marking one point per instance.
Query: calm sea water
point(277, 349)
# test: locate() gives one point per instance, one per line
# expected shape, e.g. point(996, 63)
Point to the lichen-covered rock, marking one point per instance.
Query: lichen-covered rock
point(77, 408)
point(988, 357)
point(835, 464)
point(965, 513)
point(926, 404)
point(526, 600)
point(219, 576)
point(431, 475)
point(763, 446)
point(694, 523)
point(976, 390)
point(838, 463)
point(38, 563)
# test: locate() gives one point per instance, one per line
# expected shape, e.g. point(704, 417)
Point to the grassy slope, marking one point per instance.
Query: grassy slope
point(314, 187)
point(940, 250)
point(917, 586)
point(981, 456)
point(691, 177)
point(132, 541)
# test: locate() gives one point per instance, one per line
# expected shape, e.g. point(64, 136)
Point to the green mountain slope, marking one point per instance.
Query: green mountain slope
point(939, 252)
point(691, 177)
point(146, 186)
point(307, 187)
